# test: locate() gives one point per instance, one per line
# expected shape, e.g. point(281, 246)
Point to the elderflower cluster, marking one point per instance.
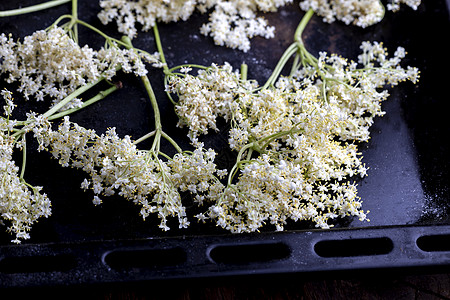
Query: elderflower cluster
point(299, 160)
point(116, 166)
point(203, 98)
point(146, 13)
point(357, 93)
point(234, 23)
point(21, 204)
point(354, 93)
point(9, 105)
point(272, 191)
point(291, 164)
point(231, 23)
point(50, 63)
point(362, 13)
point(394, 5)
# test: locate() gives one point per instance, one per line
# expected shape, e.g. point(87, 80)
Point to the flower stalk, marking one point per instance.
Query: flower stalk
point(33, 8)
point(158, 132)
point(302, 56)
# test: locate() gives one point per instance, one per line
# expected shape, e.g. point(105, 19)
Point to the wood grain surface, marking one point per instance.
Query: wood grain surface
point(379, 285)
point(430, 286)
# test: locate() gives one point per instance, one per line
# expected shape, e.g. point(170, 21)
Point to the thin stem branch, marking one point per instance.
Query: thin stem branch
point(24, 157)
point(52, 114)
point(171, 141)
point(170, 71)
point(96, 30)
point(157, 114)
point(281, 63)
point(33, 8)
point(60, 19)
point(91, 101)
point(238, 161)
point(244, 71)
point(73, 23)
point(295, 65)
point(108, 39)
point(160, 48)
point(72, 96)
point(144, 137)
point(302, 25)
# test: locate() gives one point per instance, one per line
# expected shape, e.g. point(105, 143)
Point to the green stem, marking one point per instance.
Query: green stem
point(244, 71)
point(270, 138)
point(24, 157)
point(52, 114)
point(91, 101)
point(144, 137)
point(171, 141)
point(59, 20)
point(153, 101)
point(72, 96)
point(74, 20)
point(238, 161)
point(96, 30)
point(157, 115)
point(73, 23)
point(160, 48)
point(302, 25)
point(295, 65)
point(165, 155)
point(156, 112)
point(297, 46)
point(249, 154)
point(281, 63)
point(33, 8)
point(163, 134)
point(170, 71)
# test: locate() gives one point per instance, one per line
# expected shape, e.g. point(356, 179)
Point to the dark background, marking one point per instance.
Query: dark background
point(408, 182)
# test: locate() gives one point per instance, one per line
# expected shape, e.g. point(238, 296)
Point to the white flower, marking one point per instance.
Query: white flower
point(295, 141)
point(9, 103)
point(231, 23)
point(185, 70)
point(51, 64)
point(203, 98)
point(97, 200)
point(361, 13)
point(115, 165)
point(85, 184)
point(21, 204)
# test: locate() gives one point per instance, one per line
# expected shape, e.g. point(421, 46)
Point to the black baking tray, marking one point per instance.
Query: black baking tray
point(407, 190)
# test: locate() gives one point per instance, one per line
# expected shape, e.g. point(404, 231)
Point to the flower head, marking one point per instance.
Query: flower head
point(51, 64)
point(21, 204)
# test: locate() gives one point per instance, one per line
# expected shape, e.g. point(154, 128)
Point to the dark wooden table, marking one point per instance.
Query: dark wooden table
point(362, 285)
point(430, 286)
